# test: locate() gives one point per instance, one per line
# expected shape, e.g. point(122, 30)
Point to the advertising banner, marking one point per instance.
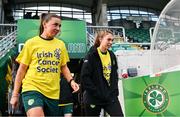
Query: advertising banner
point(152, 96)
point(73, 33)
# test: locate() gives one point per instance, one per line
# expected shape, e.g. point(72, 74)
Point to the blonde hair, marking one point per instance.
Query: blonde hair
point(99, 35)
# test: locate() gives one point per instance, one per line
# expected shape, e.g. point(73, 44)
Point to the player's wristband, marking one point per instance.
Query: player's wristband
point(71, 81)
point(17, 95)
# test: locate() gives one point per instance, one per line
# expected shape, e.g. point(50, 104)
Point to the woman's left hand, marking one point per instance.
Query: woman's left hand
point(74, 86)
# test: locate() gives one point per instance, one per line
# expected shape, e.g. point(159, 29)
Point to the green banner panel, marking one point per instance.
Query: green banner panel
point(152, 96)
point(73, 33)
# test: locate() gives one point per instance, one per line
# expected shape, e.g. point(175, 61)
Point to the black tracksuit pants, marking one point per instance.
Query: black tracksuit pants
point(113, 109)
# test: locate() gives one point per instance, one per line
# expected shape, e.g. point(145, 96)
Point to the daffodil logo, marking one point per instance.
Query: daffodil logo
point(57, 53)
point(155, 98)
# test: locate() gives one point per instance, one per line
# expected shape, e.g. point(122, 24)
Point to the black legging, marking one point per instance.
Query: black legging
point(113, 109)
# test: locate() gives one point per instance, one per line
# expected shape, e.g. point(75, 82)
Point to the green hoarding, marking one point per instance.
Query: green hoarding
point(73, 33)
point(152, 96)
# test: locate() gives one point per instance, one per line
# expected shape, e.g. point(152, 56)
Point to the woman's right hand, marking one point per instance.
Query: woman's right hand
point(14, 101)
